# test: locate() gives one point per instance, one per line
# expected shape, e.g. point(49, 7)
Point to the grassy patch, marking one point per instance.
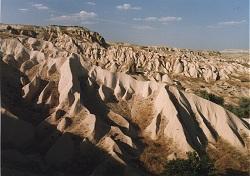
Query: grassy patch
point(142, 111)
point(155, 155)
point(227, 157)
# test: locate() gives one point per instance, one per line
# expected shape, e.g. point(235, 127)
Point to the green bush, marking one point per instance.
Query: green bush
point(211, 97)
point(242, 110)
point(192, 166)
point(245, 103)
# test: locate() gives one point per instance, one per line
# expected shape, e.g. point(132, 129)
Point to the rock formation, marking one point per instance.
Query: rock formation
point(66, 92)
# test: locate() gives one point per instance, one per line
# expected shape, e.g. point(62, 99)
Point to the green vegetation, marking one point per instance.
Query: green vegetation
point(192, 166)
point(221, 159)
point(241, 111)
point(211, 97)
point(155, 159)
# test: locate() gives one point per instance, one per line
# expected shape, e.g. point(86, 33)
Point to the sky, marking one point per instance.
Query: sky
point(194, 24)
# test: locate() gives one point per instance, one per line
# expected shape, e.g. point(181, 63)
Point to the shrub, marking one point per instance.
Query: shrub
point(211, 97)
point(242, 110)
point(155, 155)
point(8, 27)
point(226, 157)
point(192, 166)
point(245, 103)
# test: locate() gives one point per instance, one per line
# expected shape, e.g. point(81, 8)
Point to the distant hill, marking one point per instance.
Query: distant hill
point(235, 51)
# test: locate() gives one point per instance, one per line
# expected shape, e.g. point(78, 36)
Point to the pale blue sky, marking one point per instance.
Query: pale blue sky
point(197, 24)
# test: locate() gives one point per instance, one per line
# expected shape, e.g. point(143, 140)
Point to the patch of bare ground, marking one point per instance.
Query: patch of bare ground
point(242, 79)
point(227, 157)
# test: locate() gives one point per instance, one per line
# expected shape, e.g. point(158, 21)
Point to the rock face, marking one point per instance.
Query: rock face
point(15, 132)
point(88, 91)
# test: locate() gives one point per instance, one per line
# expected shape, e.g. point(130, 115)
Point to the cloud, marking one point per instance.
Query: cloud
point(226, 23)
point(151, 19)
point(142, 27)
point(23, 10)
point(126, 7)
point(40, 6)
point(88, 22)
point(213, 26)
point(137, 19)
point(169, 19)
point(91, 3)
point(82, 16)
point(231, 23)
point(112, 21)
point(164, 19)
